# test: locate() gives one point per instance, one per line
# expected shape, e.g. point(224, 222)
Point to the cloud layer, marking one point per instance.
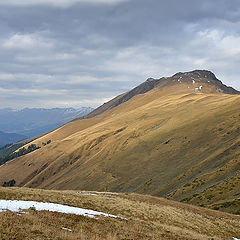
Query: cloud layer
point(76, 52)
point(57, 3)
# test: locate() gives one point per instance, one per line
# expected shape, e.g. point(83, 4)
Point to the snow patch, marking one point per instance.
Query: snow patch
point(67, 229)
point(235, 238)
point(108, 193)
point(179, 80)
point(88, 193)
point(16, 206)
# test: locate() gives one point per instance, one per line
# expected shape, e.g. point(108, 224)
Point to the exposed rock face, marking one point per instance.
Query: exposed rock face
point(204, 76)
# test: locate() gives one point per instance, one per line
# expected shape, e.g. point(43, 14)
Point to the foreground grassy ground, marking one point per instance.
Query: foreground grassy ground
point(147, 218)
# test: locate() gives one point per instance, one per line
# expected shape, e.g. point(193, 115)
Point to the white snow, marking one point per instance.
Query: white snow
point(67, 229)
point(179, 80)
point(88, 193)
point(235, 238)
point(16, 206)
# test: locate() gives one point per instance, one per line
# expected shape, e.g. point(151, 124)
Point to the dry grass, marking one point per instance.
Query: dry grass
point(167, 142)
point(147, 218)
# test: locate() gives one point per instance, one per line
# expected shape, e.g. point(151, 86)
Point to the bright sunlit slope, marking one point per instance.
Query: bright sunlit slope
point(179, 140)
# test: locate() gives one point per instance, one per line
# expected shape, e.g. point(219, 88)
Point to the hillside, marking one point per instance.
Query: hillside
point(179, 139)
point(138, 217)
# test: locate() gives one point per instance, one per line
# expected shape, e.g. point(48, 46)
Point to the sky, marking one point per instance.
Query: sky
point(72, 53)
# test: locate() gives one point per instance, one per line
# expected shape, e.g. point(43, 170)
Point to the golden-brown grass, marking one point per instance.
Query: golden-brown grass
point(147, 218)
point(167, 142)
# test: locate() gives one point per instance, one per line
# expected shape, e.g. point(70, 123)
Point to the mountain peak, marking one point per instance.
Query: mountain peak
point(197, 81)
point(198, 74)
point(199, 78)
point(150, 80)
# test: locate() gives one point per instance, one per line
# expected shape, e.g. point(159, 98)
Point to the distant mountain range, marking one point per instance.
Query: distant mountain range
point(6, 138)
point(29, 122)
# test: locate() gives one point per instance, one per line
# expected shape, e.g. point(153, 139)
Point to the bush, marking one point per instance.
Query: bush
point(21, 152)
point(10, 183)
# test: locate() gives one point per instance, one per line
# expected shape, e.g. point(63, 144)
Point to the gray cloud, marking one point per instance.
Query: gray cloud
point(57, 3)
point(71, 53)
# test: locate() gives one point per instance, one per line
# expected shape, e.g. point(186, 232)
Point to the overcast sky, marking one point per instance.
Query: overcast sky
point(70, 53)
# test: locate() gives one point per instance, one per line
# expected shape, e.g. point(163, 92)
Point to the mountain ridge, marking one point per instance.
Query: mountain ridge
point(151, 83)
point(173, 141)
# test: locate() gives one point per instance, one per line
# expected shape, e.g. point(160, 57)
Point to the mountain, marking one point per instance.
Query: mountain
point(193, 79)
point(7, 138)
point(175, 137)
point(34, 121)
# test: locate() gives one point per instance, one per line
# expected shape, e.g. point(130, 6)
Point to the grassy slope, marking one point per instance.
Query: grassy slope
point(167, 142)
point(147, 218)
